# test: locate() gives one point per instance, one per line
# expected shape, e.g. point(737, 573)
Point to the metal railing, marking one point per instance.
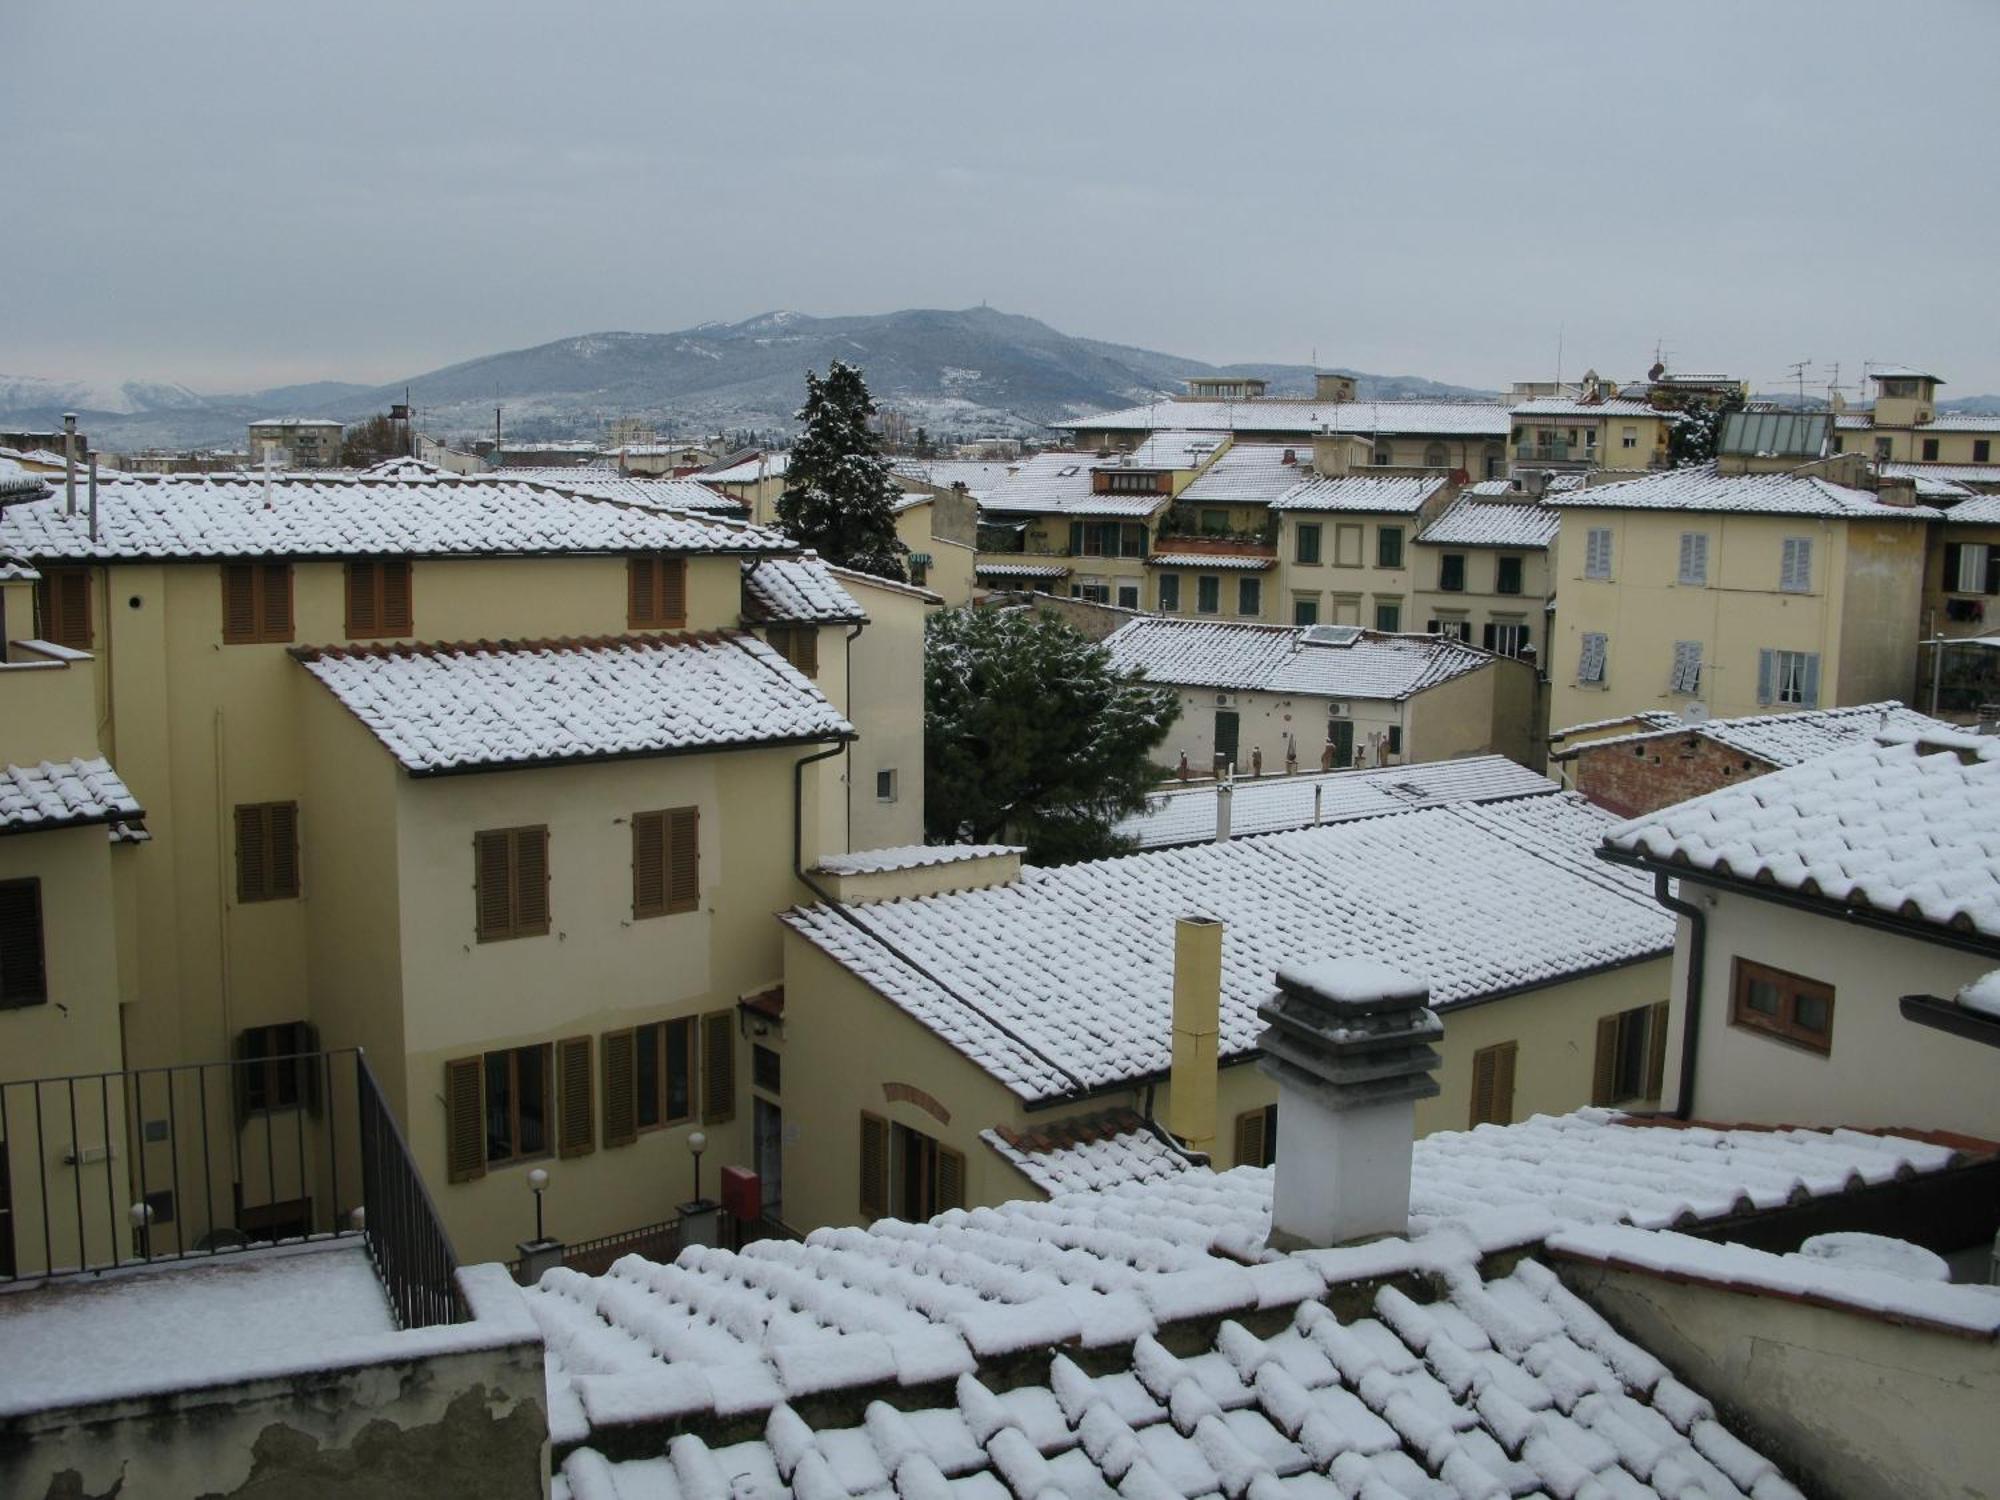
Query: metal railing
point(405, 1237)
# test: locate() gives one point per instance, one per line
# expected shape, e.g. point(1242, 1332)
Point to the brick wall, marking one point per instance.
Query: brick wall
point(1635, 778)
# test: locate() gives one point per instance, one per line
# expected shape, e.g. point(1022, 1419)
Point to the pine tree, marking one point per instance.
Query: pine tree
point(839, 497)
point(1032, 736)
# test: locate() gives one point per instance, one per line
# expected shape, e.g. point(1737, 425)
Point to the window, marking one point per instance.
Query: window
point(1389, 617)
point(1788, 677)
point(1451, 572)
point(1883, 447)
point(378, 597)
point(1795, 567)
point(766, 1069)
point(1930, 450)
point(663, 1073)
point(1308, 543)
point(511, 893)
point(1384, 456)
point(655, 592)
point(1788, 1006)
point(1452, 628)
point(1591, 659)
point(62, 607)
point(919, 564)
point(24, 978)
point(1389, 547)
point(1507, 575)
point(1631, 1055)
point(1131, 483)
point(798, 644)
point(1257, 1137)
point(1215, 522)
point(271, 1072)
point(1506, 637)
point(267, 851)
point(1694, 559)
point(666, 862)
point(1347, 546)
point(1395, 739)
point(928, 1176)
point(1982, 450)
point(256, 603)
point(1493, 1084)
point(1305, 611)
point(496, 1109)
point(1628, 438)
point(1207, 594)
point(1091, 593)
point(1128, 596)
point(885, 786)
point(1249, 596)
point(1590, 439)
point(1434, 456)
point(1686, 675)
point(1597, 553)
point(1971, 568)
point(1170, 593)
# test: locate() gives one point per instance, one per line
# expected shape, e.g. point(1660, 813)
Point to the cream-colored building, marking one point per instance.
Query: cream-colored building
point(1482, 569)
point(1593, 430)
point(1345, 539)
point(1738, 591)
point(660, 460)
point(949, 1004)
point(1905, 426)
point(755, 477)
point(295, 443)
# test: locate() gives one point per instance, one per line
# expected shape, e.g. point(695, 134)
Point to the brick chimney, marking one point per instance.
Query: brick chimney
point(1349, 1043)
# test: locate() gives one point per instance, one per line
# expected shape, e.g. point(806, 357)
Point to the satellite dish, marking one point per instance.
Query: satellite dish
point(1694, 713)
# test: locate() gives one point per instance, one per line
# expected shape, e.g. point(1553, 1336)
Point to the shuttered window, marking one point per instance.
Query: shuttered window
point(62, 607)
point(663, 1076)
point(718, 1067)
point(1972, 568)
point(1788, 678)
point(1493, 1084)
point(1597, 553)
point(275, 1069)
point(655, 592)
point(256, 603)
point(798, 644)
point(465, 1119)
point(1686, 677)
point(874, 1166)
point(519, 1099)
point(1451, 572)
point(1591, 661)
point(1257, 1137)
point(267, 851)
point(1795, 567)
point(950, 1188)
point(621, 1114)
point(24, 976)
point(666, 862)
point(1631, 1055)
point(378, 597)
point(1507, 575)
point(576, 1117)
point(511, 873)
point(1694, 559)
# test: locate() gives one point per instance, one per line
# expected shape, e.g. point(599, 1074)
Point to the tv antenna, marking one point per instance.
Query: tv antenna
point(1798, 370)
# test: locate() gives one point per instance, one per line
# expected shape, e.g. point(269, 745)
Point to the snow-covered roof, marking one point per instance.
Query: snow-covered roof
point(1781, 739)
point(1703, 488)
point(1393, 494)
point(1060, 484)
point(1974, 474)
point(1186, 815)
point(64, 794)
point(1979, 510)
point(1900, 372)
point(1250, 474)
point(17, 484)
point(188, 516)
point(1283, 414)
point(294, 422)
point(796, 591)
point(748, 470)
point(1944, 421)
point(634, 489)
point(1226, 562)
point(469, 705)
point(14, 570)
point(1574, 406)
point(1087, 1153)
point(1477, 521)
point(1021, 570)
point(1168, 449)
point(1903, 827)
point(977, 475)
point(1286, 659)
point(1477, 900)
point(1114, 1326)
point(910, 857)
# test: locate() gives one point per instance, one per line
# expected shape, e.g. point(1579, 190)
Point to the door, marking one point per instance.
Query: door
point(1341, 733)
point(1225, 735)
point(770, 1129)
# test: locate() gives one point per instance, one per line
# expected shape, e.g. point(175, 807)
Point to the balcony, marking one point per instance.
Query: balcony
point(1555, 453)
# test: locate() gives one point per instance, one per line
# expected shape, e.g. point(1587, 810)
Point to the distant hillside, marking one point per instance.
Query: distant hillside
point(966, 373)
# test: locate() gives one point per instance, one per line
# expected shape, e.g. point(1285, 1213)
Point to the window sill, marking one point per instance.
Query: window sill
point(514, 1161)
point(511, 937)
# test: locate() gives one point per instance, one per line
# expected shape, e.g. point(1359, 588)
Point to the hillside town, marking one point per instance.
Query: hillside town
point(950, 909)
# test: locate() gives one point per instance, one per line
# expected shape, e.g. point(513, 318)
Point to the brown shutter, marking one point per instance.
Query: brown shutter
point(494, 900)
point(1503, 1083)
point(465, 1119)
point(1604, 1079)
point(673, 590)
point(649, 864)
point(874, 1166)
point(531, 880)
point(573, 1080)
point(805, 641)
point(362, 616)
point(1482, 1087)
point(621, 1116)
point(397, 618)
point(683, 840)
point(23, 968)
point(275, 622)
point(239, 603)
point(639, 589)
point(950, 1180)
point(73, 589)
point(718, 1067)
point(1656, 1052)
point(1250, 1138)
point(282, 847)
point(253, 854)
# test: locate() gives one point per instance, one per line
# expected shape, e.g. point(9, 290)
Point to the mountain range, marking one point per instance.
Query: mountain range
point(974, 372)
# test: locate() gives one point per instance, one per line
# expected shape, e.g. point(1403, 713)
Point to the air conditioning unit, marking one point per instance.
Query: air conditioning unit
point(1336, 710)
point(1223, 700)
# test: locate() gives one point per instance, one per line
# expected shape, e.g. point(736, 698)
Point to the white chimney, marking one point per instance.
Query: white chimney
point(1225, 794)
point(1349, 1043)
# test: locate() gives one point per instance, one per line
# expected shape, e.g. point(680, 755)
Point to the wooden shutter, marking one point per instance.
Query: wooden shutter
point(1493, 1084)
point(649, 864)
point(1604, 1077)
point(1656, 1051)
point(281, 824)
point(1250, 1139)
point(465, 1119)
point(683, 859)
point(804, 653)
point(253, 854)
point(274, 608)
point(874, 1166)
point(23, 968)
point(672, 573)
point(363, 618)
point(531, 881)
point(639, 589)
point(1953, 571)
point(718, 1067)
point(950, 1180)
point(239, 603)
point(495, 899)
point(397, 618)
point(621, 1113)
point(575, 1115)
point(1992, 579)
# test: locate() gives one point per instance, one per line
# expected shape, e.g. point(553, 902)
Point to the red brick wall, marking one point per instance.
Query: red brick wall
point(1636, 778)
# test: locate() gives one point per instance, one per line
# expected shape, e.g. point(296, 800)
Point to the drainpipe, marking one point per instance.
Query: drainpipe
point(847, 654)
point(1691, 998)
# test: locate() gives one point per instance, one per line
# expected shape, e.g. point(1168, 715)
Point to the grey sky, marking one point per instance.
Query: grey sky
point(234, 195)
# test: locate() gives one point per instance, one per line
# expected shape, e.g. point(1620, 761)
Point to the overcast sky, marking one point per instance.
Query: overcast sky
point(235, 195)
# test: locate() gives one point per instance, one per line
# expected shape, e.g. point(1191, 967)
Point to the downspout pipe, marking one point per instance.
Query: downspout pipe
point(1697, 920)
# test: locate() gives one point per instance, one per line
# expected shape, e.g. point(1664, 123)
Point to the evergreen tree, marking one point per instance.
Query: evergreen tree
point(839, 497)
point(1031, 736)
point(370, 442)
point(1697, 428)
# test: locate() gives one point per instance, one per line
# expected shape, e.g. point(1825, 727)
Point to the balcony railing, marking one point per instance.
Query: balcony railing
point(149, 1165)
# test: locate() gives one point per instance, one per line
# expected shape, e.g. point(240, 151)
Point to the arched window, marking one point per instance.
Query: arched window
point(1434, 456)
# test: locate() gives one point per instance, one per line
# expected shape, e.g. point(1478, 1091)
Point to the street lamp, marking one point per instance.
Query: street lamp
point(697, 1143)
point(538, 1179)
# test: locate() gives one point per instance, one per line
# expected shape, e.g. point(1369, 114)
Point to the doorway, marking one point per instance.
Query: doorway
point(769, 1124)
point(1226, 730)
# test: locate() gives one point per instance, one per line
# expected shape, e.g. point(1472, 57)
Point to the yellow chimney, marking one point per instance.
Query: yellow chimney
point(1197, 1026)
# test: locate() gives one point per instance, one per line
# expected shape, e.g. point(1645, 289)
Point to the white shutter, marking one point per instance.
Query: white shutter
point(1590, 667)
point(1809, 680)
point(1795, 572)
point(1597, 553)
point(1694, 558)
point(1767, 670)
point(1687, 667)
